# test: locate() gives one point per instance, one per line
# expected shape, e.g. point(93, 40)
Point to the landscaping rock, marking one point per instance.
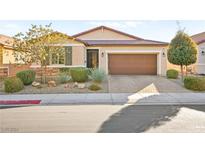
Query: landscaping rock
point(51, 83)
point(35, 84)
point(67, 86)
point(75, 85)
point(81, 85)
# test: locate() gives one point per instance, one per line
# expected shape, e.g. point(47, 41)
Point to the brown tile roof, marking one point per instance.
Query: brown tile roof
point(199, 38)
point(108, 28)
point(124, 42)
point(6, 40)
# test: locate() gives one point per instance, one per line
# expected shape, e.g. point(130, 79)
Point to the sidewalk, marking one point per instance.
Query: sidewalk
point(113, 98)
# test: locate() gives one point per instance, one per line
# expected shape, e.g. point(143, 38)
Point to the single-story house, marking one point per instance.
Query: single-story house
point(116, 52)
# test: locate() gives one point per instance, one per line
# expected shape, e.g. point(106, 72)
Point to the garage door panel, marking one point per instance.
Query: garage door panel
point(139, 64)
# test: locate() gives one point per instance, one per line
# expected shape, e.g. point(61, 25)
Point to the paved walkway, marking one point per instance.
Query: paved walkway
point(113, 98)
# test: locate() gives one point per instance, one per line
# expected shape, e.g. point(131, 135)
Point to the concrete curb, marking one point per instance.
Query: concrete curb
point(113, 98)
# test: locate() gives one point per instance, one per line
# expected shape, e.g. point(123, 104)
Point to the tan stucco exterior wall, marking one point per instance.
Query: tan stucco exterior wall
point(200, 64)
point(8, 57)
point(78, 55)
point(104, 51)
point(104, 34)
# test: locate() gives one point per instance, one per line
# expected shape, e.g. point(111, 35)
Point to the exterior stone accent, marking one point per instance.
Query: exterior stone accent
point(12, 69)
point(49, 71)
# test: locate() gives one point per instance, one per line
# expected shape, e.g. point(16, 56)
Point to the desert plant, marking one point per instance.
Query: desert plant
point(98, 75)
point(13, 84)
point(79, 74)
point(182, 50)
point(26, 76)
point(194, 83)
point(94, 87)
point(64, 78)
point(172, 74)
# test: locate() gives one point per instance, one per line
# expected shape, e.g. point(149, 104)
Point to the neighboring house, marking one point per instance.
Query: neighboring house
point(199, 66)
point(8, 65)
point(114, 51)
point(200, 41)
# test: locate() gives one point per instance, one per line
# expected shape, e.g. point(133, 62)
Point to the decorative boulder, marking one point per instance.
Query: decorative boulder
point(81, 85)
point(36, 84)
point(51, 83)
point(67, 86)
point(75, 85)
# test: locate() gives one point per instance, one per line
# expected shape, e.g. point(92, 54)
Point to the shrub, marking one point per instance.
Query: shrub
point(90, 70)
point(27, 76)
point(64, 78)
point(98, 75)
point(65, 70)
point(94, 87)
point(195, 83)
point(13, 84)
point(172, 74)
point(79, 74)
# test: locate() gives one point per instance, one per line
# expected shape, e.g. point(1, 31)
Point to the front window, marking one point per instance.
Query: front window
point(1, 56)
point(58, 58)
point(62, 56)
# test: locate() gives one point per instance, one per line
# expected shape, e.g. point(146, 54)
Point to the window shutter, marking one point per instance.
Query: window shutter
point(68, 56)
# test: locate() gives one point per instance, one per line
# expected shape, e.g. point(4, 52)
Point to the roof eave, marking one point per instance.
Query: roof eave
point(128, 45)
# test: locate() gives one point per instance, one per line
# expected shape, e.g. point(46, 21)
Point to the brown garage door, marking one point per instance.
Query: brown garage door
point(138, 64)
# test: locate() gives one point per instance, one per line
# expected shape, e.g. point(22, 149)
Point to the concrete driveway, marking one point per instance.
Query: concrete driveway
point(143, 84)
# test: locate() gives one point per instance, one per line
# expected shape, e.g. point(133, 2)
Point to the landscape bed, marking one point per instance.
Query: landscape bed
point(60, 88)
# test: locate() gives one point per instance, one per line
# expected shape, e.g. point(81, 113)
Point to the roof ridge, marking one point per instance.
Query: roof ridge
point(197, 34)
point(111, 29)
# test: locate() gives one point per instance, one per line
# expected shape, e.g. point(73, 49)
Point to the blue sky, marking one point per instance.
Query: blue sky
point(156, 30)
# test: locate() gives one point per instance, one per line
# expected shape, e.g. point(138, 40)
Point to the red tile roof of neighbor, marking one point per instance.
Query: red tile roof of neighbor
point(6, 40)
point(199, 38)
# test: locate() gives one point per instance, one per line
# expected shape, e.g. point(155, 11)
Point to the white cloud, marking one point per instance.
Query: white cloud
point(115, 24)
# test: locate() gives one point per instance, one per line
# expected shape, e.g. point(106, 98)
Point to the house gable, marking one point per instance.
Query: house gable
point(105, 33)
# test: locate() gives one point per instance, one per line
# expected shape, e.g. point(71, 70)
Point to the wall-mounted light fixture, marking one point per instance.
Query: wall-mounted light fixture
point(102, 54)
point(202, 52)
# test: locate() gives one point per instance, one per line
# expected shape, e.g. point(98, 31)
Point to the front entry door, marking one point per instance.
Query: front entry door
point(92, 58)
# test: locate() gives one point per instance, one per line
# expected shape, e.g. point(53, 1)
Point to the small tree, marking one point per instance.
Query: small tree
point(182, 51)
point(36, 45)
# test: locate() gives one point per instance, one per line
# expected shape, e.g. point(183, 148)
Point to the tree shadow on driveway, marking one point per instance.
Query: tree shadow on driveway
point(136, 119)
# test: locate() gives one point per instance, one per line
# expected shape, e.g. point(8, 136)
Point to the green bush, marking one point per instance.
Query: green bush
point(27, 76)
point(98, 75)
point(172, 74)
point(64, 78)
point(94, 87)
point(13, 84)
point(194, 83)
point(79, 74)
point(65, 70)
